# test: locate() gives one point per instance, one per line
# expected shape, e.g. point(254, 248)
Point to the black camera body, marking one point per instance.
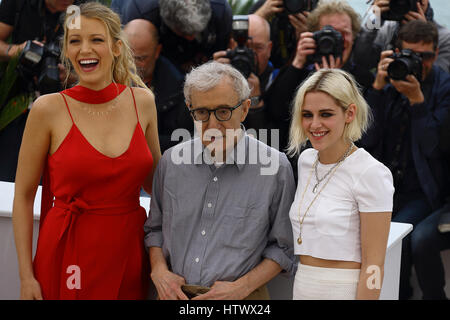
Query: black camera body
point(405, 62)
point(241, 57)
point(398, 8)
point(41, 62)
point(296, 6)
point(328, 42)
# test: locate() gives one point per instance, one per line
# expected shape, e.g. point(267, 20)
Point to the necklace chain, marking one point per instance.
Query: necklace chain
point(332, 171)
point(108, 110)
point(319, 180)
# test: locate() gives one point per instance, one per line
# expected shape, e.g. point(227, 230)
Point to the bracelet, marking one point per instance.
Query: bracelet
point(9, 48)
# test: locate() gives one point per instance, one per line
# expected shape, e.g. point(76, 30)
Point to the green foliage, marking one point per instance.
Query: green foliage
point(240, 6)
point(8, 77)
point(105, 2)
point(12, 107)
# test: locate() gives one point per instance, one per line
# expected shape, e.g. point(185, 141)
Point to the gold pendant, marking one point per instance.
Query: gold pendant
point(299, 240)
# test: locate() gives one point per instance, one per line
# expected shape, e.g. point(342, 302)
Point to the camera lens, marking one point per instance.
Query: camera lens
point(326, 45)
point(243, 66)
point(398, 69)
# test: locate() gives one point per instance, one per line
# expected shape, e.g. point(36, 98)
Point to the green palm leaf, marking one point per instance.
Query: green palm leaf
point(11, 108)
point(14, 108)
point(240, 6)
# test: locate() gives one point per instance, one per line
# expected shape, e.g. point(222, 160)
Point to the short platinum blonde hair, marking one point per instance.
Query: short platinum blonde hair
point(209, 75)
point(189, 17)
point(343, 88)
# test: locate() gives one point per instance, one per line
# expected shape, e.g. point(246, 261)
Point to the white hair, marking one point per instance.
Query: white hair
point(209, 75)
point(189, 17)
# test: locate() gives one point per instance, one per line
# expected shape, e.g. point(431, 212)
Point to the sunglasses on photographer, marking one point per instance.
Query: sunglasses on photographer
point(427, 55)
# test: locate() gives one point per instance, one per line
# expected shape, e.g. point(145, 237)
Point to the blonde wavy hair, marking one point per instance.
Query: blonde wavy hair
point(343, 88)
point(123, 68)
point(333, 7)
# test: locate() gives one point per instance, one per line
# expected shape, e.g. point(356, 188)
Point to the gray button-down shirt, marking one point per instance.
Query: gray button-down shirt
point(218, 223)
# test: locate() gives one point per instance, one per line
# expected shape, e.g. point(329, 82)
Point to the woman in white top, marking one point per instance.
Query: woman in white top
point(342, 209)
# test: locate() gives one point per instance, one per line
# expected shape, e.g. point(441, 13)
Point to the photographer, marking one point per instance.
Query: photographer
point(29, 20)
point(310, 57)
point(390, 15)
point(23, 21)
point(161, 76)
point(189, 31)
point(287, 20)
point(428, 240)
point(409, 110)
point(252, 60)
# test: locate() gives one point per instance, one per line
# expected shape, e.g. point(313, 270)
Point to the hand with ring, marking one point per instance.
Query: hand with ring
point(385, 60)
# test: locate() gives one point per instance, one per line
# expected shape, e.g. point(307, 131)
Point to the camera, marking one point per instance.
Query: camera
point(282, 33)
point(296, 6)
point(241, 57)
point(328, 42)
point(42, 62)
point(398, 8)
point(405, 62)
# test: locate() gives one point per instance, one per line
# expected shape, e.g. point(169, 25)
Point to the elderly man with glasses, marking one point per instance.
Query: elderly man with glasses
point(219, 223)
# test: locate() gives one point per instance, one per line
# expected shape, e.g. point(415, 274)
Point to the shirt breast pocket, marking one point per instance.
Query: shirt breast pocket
point(231, 230)
point(332, 216)
point(241, 228)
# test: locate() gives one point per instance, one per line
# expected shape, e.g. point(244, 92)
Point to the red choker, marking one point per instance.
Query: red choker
point(87, 95)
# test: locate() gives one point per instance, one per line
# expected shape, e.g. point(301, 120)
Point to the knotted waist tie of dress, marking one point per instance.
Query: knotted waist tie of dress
point(67, 250)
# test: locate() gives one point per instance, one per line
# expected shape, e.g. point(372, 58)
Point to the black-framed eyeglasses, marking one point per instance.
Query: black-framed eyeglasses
point(221, 113)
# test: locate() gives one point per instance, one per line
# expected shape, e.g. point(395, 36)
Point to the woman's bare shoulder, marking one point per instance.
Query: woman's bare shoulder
point(143, 95)
point(47, 108)
point(48, 103)
point(145, 102)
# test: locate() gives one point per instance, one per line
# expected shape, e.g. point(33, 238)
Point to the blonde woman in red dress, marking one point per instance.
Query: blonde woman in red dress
point(94, 145)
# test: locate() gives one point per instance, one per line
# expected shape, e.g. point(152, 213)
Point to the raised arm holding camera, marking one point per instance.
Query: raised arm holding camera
point(380, 33)
point(250, 54)
point(34, 28)
point(29, 20)
point(287, 20)
point(333, 27)
point(410, 100)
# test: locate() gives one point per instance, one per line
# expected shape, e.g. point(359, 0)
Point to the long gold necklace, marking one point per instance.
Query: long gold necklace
point(330, 173)
point(319, 180)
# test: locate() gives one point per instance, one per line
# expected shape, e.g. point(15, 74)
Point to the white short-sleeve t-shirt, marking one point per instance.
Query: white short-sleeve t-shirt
point(331, 228)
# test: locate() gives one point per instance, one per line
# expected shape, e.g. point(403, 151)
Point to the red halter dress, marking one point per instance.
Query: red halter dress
point(91, 238)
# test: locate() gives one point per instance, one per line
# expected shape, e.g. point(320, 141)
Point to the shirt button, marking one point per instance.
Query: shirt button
point(215, 179)
point(197, 259)
point(203, 232)
point(209, 205)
